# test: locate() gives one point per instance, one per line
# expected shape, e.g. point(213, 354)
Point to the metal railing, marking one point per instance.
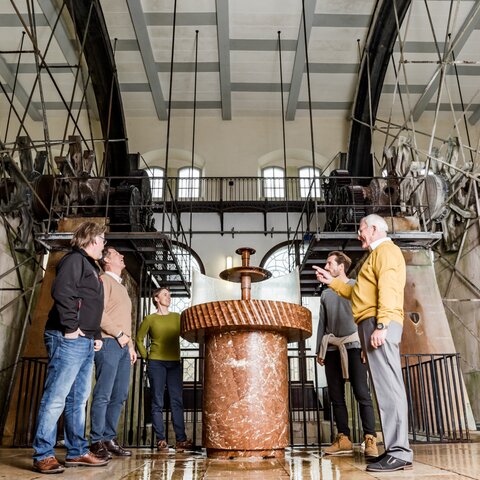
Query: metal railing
point(436, 399)
point(436, 402)
point(235, 189)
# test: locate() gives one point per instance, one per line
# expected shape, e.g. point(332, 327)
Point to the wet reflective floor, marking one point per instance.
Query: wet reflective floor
point(432, 462)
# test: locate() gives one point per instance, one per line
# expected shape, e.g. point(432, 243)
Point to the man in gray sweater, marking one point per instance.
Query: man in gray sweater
point(338, 348)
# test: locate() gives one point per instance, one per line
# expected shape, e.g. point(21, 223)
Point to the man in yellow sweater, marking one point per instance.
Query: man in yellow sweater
point(377, 306)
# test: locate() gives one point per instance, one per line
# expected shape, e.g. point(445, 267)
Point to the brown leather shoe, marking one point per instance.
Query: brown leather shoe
point(162, 446)
point(113, 447)
point(86, 460)
point(48, 465)
point(185, 445)
point(98, 449)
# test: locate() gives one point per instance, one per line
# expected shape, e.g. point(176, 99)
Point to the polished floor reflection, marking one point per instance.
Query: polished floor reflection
point(435, 462)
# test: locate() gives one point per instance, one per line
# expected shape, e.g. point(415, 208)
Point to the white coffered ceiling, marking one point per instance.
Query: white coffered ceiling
point(239, 57)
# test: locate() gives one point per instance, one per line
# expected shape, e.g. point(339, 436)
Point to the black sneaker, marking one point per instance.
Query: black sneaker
point(376, 459)
point(389, 464)
point(98, 449)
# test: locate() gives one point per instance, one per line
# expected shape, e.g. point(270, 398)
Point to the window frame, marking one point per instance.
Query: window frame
point(195, 190)
point(278, 183)
point(156, 182)
point(314, 173)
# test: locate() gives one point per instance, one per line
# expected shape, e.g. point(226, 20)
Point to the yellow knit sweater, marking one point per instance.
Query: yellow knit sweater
point(378, 291)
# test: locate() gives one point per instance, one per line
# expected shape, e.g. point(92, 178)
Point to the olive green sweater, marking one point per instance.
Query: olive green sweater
point(164, 333)
point(378, 291)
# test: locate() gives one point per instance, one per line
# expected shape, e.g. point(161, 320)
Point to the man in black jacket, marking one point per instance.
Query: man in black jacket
point(72, 334)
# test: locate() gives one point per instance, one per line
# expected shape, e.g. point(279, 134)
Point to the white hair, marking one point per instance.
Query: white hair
point(376, 220)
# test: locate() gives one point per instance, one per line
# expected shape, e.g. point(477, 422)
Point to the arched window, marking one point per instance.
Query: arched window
point(156, 182)
point(189, 182)
point(273, 182)
point(307, 186)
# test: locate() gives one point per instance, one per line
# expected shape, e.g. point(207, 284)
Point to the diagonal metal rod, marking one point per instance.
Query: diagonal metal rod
point(36, 81)
point(109, 119)
point(14, 87)
point(36, 56)
point(283, 135)
point(14, 110)
point(43, 65)
point(77, 72)
point(467, 130)
point(194, 123)
point(307, 63)
point(401, 43)
point(169, 116)
point(86, 82)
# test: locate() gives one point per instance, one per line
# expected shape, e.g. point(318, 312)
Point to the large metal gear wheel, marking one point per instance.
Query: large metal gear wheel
point(125, 209)
point(352, 209)
point(336, 180)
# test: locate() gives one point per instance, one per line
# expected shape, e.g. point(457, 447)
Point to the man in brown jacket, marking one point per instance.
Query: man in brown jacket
point(112, 362)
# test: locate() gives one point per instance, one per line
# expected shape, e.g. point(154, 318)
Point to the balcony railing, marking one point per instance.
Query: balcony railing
point(235, 189)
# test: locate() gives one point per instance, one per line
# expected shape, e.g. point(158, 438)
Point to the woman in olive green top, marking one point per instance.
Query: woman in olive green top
point(164, 367)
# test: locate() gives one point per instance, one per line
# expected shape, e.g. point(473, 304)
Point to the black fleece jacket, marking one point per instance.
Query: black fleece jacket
point(77, 292)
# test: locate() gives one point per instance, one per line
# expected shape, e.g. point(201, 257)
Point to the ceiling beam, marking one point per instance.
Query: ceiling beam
point(456, 46)
point(475, 116)
point(223, 38)
point(20, 93)
point(299, 62)
point(64, 41)
point(140, 26)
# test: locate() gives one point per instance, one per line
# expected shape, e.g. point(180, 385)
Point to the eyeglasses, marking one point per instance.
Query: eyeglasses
point(103, 239)
point(360, 230)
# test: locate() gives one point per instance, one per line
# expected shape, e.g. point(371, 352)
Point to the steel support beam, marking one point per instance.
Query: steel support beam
point(223, 38)
point(299, 62)
point(20, 93)
point(151, 70)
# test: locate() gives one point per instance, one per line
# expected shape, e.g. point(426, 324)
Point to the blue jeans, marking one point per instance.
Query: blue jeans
point(169, 373)
point(112, 374)
point(67, 387)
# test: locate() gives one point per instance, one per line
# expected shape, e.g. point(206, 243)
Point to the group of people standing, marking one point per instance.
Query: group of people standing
point(360, 326)
point(90, 323)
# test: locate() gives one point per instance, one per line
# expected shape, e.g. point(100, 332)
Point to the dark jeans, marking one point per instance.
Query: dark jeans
point(112, 375)
point(357, 372)
point(169, 373)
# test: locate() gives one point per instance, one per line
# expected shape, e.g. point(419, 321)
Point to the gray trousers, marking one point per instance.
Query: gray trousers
point(386, 373)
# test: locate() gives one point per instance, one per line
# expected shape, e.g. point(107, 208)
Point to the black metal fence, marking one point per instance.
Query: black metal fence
point(436, 399)
point(436, 402)
point(238, 189)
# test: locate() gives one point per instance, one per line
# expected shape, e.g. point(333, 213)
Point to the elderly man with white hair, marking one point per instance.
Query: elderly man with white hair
point(377, 307)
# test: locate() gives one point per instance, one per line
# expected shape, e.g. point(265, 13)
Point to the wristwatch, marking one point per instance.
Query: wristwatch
point(119, 335)
point(381, 326)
